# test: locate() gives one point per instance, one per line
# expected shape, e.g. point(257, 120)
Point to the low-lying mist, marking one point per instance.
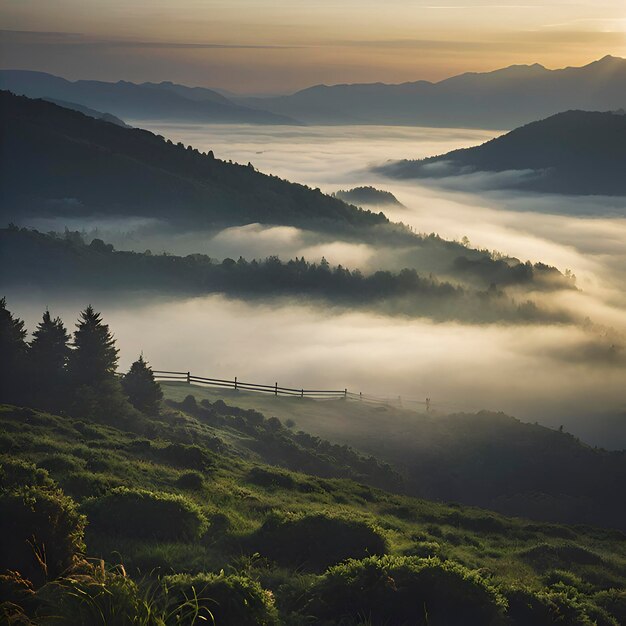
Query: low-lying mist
point(551, 374)
point(560, 374)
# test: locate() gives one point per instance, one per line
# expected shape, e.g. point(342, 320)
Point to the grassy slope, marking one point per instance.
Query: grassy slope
point(90, 459)
point(485, 459)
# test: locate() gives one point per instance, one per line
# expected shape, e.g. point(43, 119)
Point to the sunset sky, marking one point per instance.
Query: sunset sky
point(263, 46)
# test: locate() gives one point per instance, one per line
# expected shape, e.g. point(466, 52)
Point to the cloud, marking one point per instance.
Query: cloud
point(61, 39)
point(555, 374)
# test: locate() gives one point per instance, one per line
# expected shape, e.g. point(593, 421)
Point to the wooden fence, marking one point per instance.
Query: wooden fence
point(237, 385)
point(277, 390)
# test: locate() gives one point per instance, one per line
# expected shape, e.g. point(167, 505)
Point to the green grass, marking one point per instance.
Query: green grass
point(238, 492)
point(484, 459)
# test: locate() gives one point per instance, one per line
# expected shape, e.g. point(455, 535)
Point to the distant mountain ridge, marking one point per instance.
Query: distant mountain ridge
point(575, 152)
point(99, 115)
point(501, 99)
point(148, 101)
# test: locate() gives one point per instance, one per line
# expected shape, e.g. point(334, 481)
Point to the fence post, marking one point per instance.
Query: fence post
point(189, 378)
point(276, 388)
point(235, 383)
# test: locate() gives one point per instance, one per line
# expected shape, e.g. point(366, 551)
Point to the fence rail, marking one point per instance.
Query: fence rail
point(277, 390)
point(238, 385)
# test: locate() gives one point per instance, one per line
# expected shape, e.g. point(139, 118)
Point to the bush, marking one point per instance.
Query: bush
point(544, 556)
point(224, 600)
point(17, 473)
point(60, 463)
point(559, 605)
point(270, 478)
point(193, 481)
point(41, 532)
point(398, 591)
point(182, 455)
point(146, 514)
point(314, 542)
point(613, 601)
point(81, 485)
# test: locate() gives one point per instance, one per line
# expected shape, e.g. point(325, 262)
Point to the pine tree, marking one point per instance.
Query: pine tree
point(13, 350)
point(142, 390)
point(94, 358)
point(47, 358)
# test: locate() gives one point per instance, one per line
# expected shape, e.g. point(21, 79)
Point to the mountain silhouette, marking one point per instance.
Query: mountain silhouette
point(502, 99)
point(148, 101)
point(55, 161)
point(575, 152)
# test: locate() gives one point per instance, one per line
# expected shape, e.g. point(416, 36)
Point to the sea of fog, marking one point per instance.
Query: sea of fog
point(556, 375)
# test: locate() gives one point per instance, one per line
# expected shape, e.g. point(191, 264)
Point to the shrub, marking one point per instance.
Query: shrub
point(7, 443)
point(83, 484)
point(224, 600)
point(613, 601)
point(556, 576)
point(193, 481)
point(182, 455)
point(544, 556)
point(17, 473)
point(559, 605)
point(398, 591)
point(41, 532)
point(60, 463)
point(270, 478)
point(313, 542)
point(146, 514)
point(189, 404)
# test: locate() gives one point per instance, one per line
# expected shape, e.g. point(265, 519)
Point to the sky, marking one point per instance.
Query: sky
point(279, 46)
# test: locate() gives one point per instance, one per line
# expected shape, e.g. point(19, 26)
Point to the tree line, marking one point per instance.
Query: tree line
point(74, 374)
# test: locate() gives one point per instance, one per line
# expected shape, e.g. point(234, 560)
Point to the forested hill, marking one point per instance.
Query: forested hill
point(28, 257)
point(55, 161)
point(576, 152)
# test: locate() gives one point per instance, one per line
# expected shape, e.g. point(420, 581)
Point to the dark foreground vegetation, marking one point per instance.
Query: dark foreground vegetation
point(32, 258)
point(118, 508)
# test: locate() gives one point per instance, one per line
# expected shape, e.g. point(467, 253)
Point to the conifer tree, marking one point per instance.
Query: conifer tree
point(47, 358)
point(143, 392)
point(13, 350)
point(94, 358)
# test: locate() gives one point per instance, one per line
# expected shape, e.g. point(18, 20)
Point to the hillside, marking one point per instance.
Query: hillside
point(38, 260)
point(118, 507)
point(576, 152)
point(369, 196)
point(191, 514)
point(60, 162)
point(99, 115)
point(485, 459)
point(147, 101)
point(501, 99)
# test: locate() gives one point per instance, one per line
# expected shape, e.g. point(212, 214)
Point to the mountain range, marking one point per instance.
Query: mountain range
point(575, 152)
point(502, 99)
point(148, 101)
